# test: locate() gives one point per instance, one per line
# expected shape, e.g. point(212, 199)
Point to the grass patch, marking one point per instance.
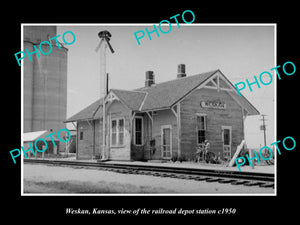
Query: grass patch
point(86, 187)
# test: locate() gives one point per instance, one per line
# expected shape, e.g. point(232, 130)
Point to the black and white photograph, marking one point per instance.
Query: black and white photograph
point(160, 117)
point(140, 112)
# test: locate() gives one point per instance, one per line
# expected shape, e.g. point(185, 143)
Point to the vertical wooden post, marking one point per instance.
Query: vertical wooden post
point(179, 129)
point(77, 136)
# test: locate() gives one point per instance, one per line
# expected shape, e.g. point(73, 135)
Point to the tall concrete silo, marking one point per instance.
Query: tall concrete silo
point(45, 81)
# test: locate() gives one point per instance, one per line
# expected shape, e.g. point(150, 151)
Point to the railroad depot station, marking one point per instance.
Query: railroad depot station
point(161, 121)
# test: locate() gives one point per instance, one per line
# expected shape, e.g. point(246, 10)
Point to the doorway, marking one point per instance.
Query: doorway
point(166, 141)
point(226, 138)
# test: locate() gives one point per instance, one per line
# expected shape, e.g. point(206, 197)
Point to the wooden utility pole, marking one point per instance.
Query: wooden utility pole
point(263, 127)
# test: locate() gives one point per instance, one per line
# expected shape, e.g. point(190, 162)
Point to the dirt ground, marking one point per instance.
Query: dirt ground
point(46, 179)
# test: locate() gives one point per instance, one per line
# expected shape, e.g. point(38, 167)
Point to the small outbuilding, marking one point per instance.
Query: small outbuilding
point(30, 138)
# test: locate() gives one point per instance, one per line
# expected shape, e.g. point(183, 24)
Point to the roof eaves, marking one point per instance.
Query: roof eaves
point(156, 109)
point(234, 89)
point(115, 91)
point(94, 114)
point(120, 98)
point(76, 120)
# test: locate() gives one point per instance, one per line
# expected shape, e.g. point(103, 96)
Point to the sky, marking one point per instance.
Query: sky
point(240, 51)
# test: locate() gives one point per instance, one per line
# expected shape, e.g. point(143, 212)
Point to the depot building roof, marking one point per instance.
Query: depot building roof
point(161, 96)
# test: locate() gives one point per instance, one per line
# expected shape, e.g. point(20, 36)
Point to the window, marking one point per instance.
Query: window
point(201, 128)
point(117, 132)
point(81, 135)
point(121, 132)
point(114, 132)
point(138, 131)
point(226, 136)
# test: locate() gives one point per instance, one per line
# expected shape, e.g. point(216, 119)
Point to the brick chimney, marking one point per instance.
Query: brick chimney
point(149, 79)
point(181, 71)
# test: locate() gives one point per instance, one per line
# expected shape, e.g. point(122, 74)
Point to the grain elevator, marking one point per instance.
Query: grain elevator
point(45, 81)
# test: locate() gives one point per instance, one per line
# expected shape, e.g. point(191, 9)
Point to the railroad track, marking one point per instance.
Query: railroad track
point(264, 180)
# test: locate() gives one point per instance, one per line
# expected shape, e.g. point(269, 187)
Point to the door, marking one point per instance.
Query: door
point(226, 137)
point(166, 141)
